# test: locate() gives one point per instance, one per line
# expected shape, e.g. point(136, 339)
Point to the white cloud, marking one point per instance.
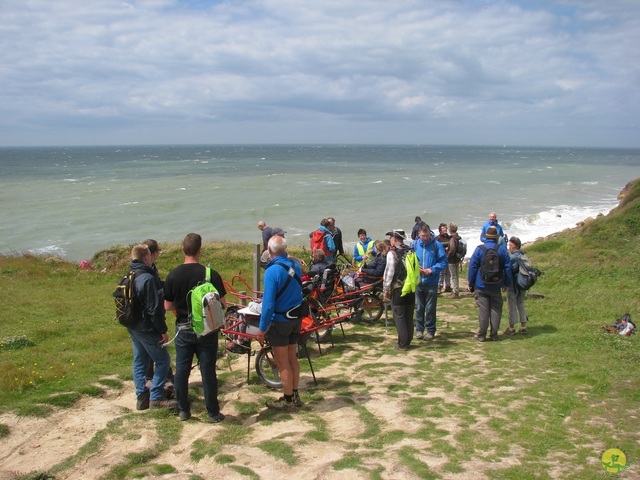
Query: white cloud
point(159, 66)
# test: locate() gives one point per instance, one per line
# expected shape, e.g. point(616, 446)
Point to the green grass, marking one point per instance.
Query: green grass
point(550, 403)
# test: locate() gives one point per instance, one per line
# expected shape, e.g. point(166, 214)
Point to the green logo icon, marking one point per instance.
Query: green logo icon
point(614, 461)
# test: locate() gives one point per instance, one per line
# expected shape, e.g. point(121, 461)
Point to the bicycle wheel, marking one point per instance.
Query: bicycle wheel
point(322, 334)
point(267, 369)
point(372, 308)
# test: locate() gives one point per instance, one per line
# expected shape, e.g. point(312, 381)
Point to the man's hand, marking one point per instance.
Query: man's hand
point(165, 338)
point(471, 289)
point(260, 336)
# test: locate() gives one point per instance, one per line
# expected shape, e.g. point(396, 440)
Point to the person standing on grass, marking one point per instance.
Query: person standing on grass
point(489, 295)
point(444, 283)
point(179, 282)
point(280, 320)
point(433, 260)
point(454, 261)
point(149, 333)
point(336, 234)
point(395, 274)
point(515, 296)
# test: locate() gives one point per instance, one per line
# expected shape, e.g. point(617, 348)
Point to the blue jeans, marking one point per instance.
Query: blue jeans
point(206, 349)
point(146, 349)
point(426, 301)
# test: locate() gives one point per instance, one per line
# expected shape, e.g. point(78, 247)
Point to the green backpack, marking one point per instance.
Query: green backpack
point(205, 310)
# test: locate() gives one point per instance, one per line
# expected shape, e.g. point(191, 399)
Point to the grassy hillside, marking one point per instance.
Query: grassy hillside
point(557, 397)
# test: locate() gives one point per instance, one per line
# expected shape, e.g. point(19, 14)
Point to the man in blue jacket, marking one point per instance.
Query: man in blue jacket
point(280, 319)
point(433, 260)
point(489, 294)
point(492, 222)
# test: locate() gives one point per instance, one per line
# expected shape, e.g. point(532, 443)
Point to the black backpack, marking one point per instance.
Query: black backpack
point(491, 271)
point(128, 305)
point(461, 249)
point(400, 267)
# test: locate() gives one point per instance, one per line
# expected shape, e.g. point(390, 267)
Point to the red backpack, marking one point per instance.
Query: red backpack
point(319, 242)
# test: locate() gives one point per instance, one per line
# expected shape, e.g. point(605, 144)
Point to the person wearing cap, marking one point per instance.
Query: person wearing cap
point(433, 260)
point(280, 320)
point(402, 302)
point(492, 222)
point(489, 296)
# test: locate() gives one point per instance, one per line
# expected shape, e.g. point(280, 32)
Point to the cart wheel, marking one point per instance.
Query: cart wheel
point(372, 308)
point(267, 369)
point(322, 334)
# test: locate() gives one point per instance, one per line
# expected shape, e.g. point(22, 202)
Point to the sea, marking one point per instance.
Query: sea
point(72, 202)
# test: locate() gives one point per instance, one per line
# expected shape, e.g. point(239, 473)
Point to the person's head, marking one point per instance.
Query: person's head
point(317, 256)
point(324, 222)
point(331, 223)
point(141, 253)
point(261, 224)
point(491, 233)
point(154, 248)
point(382, 246)
point(396, 236)
point(192, 244)
point(362, 234)
point(442, 228)
point(417, 219)
point(278, 231)
point(425, 233)
point(453, 228)
point(493, 217)
point(277, 246)
point(514, 243)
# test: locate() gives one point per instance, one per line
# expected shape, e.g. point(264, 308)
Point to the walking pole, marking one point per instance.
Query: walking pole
point(310, 364)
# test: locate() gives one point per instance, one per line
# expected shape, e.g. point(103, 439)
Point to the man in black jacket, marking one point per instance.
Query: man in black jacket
point(149, 333)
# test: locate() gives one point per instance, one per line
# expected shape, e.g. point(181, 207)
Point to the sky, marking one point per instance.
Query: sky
point(465, 72)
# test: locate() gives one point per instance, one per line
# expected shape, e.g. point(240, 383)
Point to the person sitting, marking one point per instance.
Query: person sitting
point(319, 264)
point(374, 270)
point(363, 249)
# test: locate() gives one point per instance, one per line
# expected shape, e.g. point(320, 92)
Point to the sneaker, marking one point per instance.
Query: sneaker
point(523, 330)
point(454, 295)
point(184, 416)
point(510, 331)
point(142, 402)
point(420, 335)
point(215, 418)
point(479, 338)
point(448, 289)
point(429, 336)
point(296, 400)
point(169, 404)
point(282, 404)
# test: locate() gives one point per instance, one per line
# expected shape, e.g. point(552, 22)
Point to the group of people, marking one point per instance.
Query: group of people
point(279, 324)
point(436, 271)
point(412, 277)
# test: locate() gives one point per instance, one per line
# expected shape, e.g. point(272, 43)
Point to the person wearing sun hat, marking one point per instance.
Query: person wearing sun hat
point(489, 295)
point(402, 300)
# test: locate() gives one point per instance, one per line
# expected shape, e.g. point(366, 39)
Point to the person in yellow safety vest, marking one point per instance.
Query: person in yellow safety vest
point(363, 249)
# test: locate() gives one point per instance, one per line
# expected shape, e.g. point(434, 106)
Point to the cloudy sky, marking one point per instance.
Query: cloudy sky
point(98, 72)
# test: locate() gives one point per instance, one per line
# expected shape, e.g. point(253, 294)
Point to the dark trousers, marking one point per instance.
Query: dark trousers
point(206, 350)
point(489, 311)
point(402, 308)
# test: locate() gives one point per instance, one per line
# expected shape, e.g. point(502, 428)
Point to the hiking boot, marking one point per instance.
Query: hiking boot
point(215, 418)
point(420, 335)
point(297, 401)
point(454, 295)
point(142, 402)
point(448, 289)
point(429, 336)
point(184, 416)
point(282, 404)
point(158, 404)
point(523, 330)
point(494, 338)
point(479, 338)
point(510, 331)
